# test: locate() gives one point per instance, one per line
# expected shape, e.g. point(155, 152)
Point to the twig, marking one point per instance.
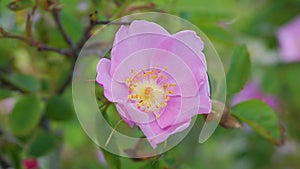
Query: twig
point(111, 23)
point(86, 35)
point(66, 83)
point(34, 7)
point(21, 38)
point(56, 16)
point(74, 49)
point(40, 46)
point(29, 19)
point(65, 52)
point(87, 32)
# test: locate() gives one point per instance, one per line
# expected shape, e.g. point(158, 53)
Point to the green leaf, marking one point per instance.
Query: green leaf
point(4, 61)
point(71, 24)
point(42, 144)
point(24, 82)
point(4, 93)
point(260, 117)
point(288, 76)
point(239, 70)
point(217, 33)
point(113, 161)
point(270, 81)
point(58, 108)
point(25, 115)
point(212, 7)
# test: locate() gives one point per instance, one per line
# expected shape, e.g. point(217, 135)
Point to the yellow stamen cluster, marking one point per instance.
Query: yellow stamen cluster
point(147, 93)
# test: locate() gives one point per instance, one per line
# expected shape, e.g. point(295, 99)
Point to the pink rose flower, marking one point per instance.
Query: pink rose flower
point(252, 91)
point(157, 80)
point(31, 163)
point(289, 40)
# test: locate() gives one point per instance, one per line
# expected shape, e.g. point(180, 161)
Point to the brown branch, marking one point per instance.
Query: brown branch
point(66, 83)
point(40, 46)
point(29, 19)
point(73, 51)
point(86, 35)
point(87, 31)
point(56, 16)
point(34, 7)
point(227, 120)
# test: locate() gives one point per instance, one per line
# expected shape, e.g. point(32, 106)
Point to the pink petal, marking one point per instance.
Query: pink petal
point(103, 77)
point(132, 44)
point(144, 35)
point(113, 91)
point(180, 109)
point(170, 113)
point(136, 61)
point(170, 80)
point(131, 112)
point(124, 114)
point(146, 58)
point(116, 59)
point(200, 104)
point(142, 26)
point(119, 92)
point(137, 27)
point(289, 40)
point(192, 40)
point(195, 60)
point(179, 71)
point(156, 135)
point(252, 91)
point(121, 34)
point(147, 41)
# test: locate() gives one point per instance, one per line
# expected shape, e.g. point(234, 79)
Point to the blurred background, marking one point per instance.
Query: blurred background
point(39, 42)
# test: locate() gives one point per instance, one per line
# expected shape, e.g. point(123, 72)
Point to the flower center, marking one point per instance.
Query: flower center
point(149, 90)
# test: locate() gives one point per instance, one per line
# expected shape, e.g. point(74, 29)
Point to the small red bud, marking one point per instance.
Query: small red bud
point(31, 163)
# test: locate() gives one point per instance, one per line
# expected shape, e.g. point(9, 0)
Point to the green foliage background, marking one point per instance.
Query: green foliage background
point(43, 123)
